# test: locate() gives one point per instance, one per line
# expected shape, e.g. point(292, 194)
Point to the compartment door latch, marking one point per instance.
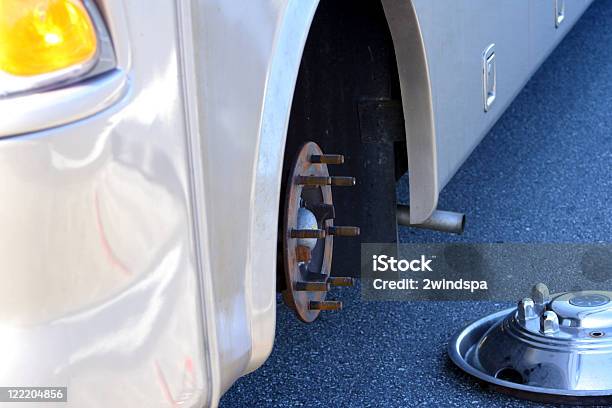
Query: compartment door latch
point(489, 77)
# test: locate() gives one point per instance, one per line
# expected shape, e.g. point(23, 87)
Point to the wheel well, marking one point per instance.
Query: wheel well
point(348, 62)
point(349, 56)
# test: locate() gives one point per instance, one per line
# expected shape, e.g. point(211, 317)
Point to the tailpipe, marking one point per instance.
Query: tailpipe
point(443, 221)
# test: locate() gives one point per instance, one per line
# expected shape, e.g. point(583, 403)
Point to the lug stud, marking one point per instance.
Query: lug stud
point(342, 181)
point(343, 231)
point(341, 281)
point(325, 305)
point(308, 233)
point(313, 180)
point(312, 286)
point(327, 159)
point(540, 294)
point(549, 323)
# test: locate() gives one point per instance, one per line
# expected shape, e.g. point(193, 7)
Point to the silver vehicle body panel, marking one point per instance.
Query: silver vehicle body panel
point(455, 34)
point(139, 210)
point(100, 285)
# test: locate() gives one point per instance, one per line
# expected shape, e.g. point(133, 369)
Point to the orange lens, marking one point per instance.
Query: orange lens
point(43, 36)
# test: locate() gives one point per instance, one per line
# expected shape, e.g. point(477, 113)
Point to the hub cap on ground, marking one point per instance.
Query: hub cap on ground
point(308, 233)
point(551, 348)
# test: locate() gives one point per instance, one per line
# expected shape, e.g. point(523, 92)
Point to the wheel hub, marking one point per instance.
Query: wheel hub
point(308, 233)
point(307, 221)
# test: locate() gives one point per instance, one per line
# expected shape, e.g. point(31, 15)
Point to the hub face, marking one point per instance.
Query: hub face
point(308, 233)
point(307, 221)
point(586, 310)
point(589, 300)
point(553, 348)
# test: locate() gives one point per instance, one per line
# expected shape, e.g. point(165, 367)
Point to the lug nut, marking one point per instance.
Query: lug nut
point(341, 281)
point(327, 159)
point(308, 233)
point(343, 181)
point(549, 324)
point(526, 310)
point(343, 231)
point(312, 286)
point(540, 294)
point(325, 305)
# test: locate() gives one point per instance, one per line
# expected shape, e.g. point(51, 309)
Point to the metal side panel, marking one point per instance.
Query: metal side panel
point(100, 284)
point(455, 36)
point(543, 33)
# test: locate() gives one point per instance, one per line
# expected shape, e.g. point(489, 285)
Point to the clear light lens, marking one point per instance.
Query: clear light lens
point(43, 36)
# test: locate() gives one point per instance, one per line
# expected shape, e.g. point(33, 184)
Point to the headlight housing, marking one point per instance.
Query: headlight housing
point(50, 43)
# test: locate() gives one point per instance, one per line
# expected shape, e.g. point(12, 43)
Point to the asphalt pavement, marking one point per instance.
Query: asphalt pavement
point(543, 174)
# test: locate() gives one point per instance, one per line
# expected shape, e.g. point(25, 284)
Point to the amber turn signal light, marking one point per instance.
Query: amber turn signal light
point(43, 36)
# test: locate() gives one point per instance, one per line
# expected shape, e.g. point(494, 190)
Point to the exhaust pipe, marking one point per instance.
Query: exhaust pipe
point(443, 221)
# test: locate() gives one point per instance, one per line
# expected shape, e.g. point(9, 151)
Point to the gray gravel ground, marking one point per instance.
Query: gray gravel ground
point(541, 175)
point(372, 354)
